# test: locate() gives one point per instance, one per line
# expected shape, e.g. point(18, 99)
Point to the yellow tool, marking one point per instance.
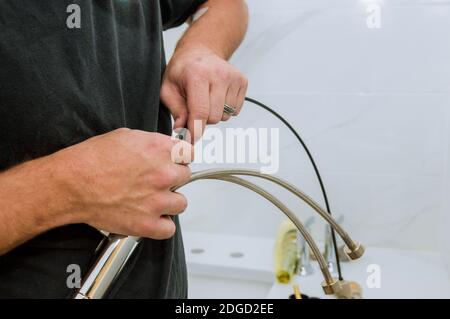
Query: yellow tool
point(286, 252)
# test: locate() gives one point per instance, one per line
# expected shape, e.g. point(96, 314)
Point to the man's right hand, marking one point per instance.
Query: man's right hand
point(121, 182)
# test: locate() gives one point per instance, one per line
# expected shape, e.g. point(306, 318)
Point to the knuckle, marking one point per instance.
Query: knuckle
point(222, 73)
point(197, 73)
point(160, 142)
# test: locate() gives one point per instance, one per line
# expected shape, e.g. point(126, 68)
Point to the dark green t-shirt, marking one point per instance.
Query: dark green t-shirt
point(62, 82)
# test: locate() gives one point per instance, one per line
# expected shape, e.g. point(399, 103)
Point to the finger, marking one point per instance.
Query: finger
point(176, 103)
point(142, 225)
point(164, 228)
point(171, 176)
point(231, 100)
point(178, 175)
point(176, 204)
point(182, 152)
point(241, 95)
point(198, 107)
point(217, 99)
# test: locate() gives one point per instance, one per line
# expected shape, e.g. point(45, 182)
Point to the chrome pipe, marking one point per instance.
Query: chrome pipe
point(113, 257)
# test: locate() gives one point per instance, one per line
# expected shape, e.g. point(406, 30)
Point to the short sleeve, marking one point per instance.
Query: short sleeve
point(176, 12)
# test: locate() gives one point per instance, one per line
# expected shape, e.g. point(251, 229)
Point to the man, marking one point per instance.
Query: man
point(79, 112)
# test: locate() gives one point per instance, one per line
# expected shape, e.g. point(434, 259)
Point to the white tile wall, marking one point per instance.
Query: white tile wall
point(371, 104)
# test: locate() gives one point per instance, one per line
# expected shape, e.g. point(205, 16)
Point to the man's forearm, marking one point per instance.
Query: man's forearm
point(31, 202)
point(221, 28)
point(83, 184)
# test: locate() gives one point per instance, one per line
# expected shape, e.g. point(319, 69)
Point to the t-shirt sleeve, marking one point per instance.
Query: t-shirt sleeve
point(176, 12)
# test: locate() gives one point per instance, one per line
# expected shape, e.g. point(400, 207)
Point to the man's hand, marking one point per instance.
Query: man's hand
point(122, 180)
point(198, 80)
point(119, 182)
point(197, 84)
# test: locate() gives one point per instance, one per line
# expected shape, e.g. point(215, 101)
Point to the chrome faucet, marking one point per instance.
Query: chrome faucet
point(329, 253)
point(305, 267)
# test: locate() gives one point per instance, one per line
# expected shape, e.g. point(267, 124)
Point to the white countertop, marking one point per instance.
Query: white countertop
point(214, 273)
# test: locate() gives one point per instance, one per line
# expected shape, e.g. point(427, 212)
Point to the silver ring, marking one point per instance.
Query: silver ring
point(228, 109)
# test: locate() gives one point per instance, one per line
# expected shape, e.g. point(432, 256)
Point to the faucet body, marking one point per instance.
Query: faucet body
point(305, 267)
point(115, 250)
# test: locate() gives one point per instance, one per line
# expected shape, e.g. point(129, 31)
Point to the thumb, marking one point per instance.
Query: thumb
point(176, 104)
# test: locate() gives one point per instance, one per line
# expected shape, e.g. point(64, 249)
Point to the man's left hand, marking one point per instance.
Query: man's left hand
point(196, 85)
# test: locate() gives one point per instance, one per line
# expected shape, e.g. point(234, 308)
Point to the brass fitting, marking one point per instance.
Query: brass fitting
point(355, 253)
point(329, 288)
point(348, 290)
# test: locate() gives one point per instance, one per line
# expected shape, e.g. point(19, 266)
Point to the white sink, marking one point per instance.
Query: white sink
point(225, 266)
